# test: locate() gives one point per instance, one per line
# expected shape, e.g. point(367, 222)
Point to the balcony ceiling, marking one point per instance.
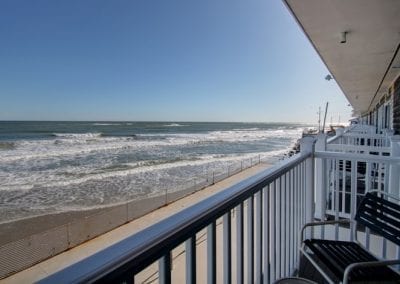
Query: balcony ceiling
point(364, 66)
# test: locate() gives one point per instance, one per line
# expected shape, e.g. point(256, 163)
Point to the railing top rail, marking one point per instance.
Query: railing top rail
point(365, 135)
point(332, 139)
point(358, 157)
point(347, 147)
point(139, 250)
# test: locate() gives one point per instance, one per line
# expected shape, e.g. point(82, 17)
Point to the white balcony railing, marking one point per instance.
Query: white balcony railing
point(252, 229)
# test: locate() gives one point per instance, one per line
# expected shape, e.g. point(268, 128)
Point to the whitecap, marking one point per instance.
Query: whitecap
point(174, 125)
point(105, 124)
point(88, 135)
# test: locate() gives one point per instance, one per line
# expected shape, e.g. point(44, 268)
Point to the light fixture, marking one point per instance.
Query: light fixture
point(328, 77)
point(343, 37)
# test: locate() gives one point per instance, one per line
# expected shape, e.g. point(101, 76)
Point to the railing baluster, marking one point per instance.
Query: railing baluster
point(299, 198)
point(323, 194)
point(296, 223)
point(164, 269)
point(336, 187)
point(239, 245)
point(211, 253)
point(353, 196)
point(273, 231)
point(227, 241)
point(302, 197)
point(190, 247)
point(380, 176)
point(287, 221)
point(292, 228)
point(258, 238)
point(298, 205)
point(367, 189)
point(250, 240)
point(386, 190)
point(282, 225)
point(330, 186)
point(278, 228)
point(344, 177)
point(265, 227)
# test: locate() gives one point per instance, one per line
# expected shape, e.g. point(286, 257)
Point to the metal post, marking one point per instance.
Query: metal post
point(326, 111)
point(250, 240)
point(239, 245)
point(272, 189)
point(258, 236)
point(211, 253)
point(227, 248)
point(320, 190)
point(191, 260)
point(165, 269)
point(307, 146)
point(265, 228)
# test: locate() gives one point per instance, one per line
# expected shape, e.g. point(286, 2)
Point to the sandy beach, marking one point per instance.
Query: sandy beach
point(29, 226)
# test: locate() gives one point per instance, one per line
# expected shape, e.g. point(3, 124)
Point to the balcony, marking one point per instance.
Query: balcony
point(249, 233)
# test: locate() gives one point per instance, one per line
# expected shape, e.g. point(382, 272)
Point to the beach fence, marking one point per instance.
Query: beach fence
point(23, 253)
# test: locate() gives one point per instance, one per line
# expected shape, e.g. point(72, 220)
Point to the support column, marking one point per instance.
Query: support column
point(320, 183)
point(307, 146)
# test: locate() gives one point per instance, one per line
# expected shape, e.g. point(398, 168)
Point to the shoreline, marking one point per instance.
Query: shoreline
point(76, 253)
point(10, 230)
point(41, 222)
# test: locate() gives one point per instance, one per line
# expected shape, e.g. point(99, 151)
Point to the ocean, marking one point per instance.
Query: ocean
point(49, 167)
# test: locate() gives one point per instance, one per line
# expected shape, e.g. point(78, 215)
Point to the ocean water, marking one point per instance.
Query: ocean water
point(48, 167)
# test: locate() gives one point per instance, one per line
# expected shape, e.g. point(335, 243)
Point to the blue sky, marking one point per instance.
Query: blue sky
point(176, 60)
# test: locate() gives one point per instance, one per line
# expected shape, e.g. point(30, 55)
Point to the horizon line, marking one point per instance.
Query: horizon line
point(155, 121)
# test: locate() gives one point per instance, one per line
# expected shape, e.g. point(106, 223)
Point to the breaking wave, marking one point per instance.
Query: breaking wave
point(174, 125)
point(78, 135)
point(79, 170)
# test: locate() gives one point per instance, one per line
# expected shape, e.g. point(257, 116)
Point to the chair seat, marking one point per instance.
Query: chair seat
point(337, 255)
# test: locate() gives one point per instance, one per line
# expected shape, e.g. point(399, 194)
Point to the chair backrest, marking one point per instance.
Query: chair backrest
point(381, 216)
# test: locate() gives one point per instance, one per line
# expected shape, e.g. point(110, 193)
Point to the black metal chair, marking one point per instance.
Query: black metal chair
point(342, 261)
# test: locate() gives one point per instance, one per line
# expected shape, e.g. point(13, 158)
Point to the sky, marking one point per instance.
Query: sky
point(157, 60)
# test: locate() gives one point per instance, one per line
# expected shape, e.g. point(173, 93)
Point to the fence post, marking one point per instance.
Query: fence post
point(307, 146)
point(320, 190)
point(394, 168)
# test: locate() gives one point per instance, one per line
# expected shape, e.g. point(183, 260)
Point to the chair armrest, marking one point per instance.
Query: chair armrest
point(323, 223)
point(367, 264)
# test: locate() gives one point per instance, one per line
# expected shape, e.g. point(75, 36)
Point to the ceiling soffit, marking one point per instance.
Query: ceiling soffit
point(363, 65)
